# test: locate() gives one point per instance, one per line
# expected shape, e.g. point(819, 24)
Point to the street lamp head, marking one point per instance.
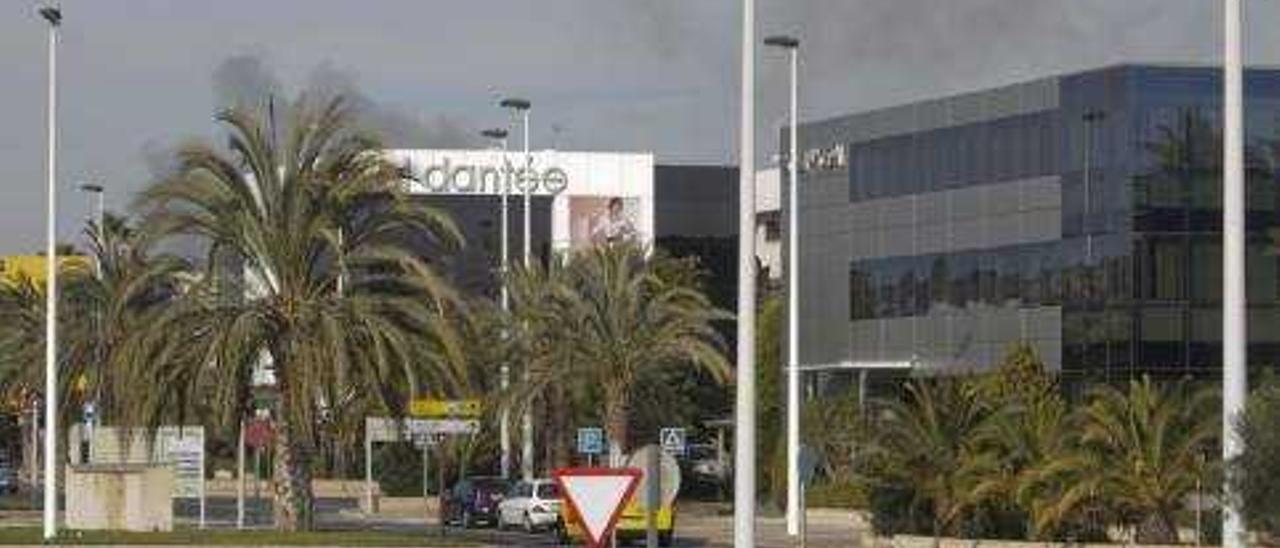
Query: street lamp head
point(90, 187)
point(515, 103)
point(780, 41)
point(496, 133)
point(51, 14)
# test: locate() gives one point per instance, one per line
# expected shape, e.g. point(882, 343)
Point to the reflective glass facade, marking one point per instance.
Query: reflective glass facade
point(1080, 213)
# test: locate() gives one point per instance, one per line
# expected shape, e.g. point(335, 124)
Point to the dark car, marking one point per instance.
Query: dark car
point(474, 501)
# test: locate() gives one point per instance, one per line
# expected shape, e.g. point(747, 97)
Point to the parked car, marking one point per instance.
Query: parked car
point(705, 464)
point(533, 505)
point(474, 501)
point(8, 480)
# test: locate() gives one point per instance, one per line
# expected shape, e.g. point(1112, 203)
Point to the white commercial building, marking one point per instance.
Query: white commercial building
point(595, 195)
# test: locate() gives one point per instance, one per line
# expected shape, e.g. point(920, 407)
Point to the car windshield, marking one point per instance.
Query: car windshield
point(548, 491)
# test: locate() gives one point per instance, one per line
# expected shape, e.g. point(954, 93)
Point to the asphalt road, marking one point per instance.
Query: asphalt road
point(698, 526)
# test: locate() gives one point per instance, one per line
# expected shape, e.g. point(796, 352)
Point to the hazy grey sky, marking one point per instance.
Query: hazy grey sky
point(659, 75)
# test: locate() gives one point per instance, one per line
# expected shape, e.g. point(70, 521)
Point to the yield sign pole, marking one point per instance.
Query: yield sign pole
point(596, 497)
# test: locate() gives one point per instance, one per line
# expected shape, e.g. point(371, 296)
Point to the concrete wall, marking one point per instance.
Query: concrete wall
point(119, 497)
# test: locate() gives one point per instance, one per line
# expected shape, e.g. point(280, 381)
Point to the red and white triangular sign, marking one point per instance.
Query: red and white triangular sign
point(597, 496)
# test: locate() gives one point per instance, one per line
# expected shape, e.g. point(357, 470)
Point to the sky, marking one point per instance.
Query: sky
point(138, 77)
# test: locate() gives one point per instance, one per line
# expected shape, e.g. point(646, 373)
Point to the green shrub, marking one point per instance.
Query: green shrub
point(398, 467)
point(836, 494)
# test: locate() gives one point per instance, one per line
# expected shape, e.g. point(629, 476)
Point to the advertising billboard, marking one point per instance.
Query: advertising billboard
point(596, 197)
point(596, 220)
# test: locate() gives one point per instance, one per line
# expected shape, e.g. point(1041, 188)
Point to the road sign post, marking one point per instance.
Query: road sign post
point(596, 498)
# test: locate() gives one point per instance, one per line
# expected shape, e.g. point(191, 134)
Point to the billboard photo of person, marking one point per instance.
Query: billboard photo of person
point(603, 220)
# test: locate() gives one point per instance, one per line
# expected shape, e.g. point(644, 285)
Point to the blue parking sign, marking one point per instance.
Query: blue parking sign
point(591, 440)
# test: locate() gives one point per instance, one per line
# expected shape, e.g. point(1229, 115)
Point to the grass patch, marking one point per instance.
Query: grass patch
point(31, 535)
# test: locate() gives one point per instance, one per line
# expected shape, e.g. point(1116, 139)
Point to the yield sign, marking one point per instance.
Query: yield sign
point(597, 496)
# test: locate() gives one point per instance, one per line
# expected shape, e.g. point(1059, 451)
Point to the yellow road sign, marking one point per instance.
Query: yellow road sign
point(430, 407)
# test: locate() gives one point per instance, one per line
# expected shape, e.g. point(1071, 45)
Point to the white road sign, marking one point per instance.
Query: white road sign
point(673, 440)
point(597, 497)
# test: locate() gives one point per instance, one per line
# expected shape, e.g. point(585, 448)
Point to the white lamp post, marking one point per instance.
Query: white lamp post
point(499, 136)
point(744, 445)
point(53, 16)
point(1234, 328)
point(521, 108)
point(792, 46)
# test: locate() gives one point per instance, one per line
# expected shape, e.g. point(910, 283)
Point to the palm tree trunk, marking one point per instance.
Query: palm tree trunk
point(291, 477)
point(617, 406)
point(292, 483)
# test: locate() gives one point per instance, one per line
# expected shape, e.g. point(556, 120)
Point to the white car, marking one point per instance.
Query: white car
point(532, 505)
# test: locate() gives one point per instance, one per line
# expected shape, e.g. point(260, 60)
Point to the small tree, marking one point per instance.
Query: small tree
point(1253, 473)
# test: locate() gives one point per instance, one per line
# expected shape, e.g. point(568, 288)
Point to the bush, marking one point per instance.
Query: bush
point(398, 467)
point(1253, 473)
point(836, 494)
point(896, 510)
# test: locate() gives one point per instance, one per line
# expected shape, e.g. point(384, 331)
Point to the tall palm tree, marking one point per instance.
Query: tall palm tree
point(334, 299)
point(618, 318)
point(129, 287)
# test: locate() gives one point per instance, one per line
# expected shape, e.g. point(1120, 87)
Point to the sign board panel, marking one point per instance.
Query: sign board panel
point(441, 426)
point(591, 440)
point(596, 497)
point(673, 441)
point(384, 430)
point(437, 408)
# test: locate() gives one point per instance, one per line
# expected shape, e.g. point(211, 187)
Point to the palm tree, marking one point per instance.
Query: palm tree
point(607, 318)
point(22, 343)
point(926, 441)
point(1027, 430)
point(130, 286)
point(1026, 440)
point(334, 299)
point(1142, 451)
point(1155, 439)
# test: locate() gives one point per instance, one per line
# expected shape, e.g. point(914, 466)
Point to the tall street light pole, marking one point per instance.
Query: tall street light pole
point(1234, 328)
point(744, 444)
point(521, 108)
point(792, 46)
point(499, 136)
point(53, 16)
point(91, 411)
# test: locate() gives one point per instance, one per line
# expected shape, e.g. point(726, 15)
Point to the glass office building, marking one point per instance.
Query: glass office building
point(1080, 214)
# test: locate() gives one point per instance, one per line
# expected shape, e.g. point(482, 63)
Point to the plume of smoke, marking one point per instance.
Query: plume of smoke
point(247, 80)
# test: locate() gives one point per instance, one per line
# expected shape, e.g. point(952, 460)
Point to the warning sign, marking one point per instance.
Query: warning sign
point(596, 497)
